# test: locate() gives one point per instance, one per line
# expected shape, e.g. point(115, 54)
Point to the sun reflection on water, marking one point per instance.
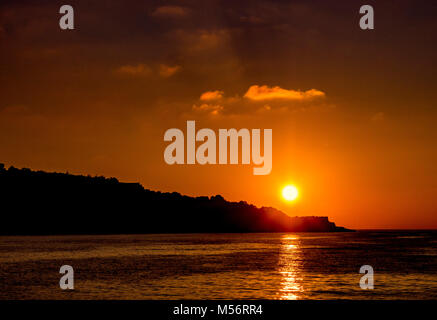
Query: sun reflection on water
point(290, 268)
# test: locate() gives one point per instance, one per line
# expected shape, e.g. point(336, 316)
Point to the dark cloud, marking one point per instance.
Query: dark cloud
point(170, 12)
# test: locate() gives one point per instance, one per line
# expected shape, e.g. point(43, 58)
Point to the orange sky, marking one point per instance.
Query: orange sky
point(353, 112)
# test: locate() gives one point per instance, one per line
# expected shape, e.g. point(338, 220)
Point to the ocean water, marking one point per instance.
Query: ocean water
point(222, 266)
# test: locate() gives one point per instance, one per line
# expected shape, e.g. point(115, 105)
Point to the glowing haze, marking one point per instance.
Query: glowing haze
point(353, 112)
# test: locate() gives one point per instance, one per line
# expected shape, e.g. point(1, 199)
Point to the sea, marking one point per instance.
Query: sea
point(278, 266)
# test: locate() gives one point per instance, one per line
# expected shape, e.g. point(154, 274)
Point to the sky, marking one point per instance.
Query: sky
point(353, 112)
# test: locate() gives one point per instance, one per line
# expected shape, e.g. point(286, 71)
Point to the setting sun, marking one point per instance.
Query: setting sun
point(290, 193)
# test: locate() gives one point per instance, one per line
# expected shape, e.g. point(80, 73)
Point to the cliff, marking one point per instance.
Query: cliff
point(37, 202)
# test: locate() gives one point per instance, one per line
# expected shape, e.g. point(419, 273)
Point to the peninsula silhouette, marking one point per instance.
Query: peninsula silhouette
point(42, 203)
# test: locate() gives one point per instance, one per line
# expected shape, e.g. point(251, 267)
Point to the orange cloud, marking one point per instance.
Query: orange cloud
point(136, 70)
point(167, 71)
point(261, 99)
point(14, 109)
point(378, 117)
point(208, 108)
point(211, 95)
point(196, 41)
point(258, 93)
point(170, 11)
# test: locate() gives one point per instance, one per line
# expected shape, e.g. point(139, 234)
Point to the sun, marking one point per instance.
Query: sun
point(290, 193)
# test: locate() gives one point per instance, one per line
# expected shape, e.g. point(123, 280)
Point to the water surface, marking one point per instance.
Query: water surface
point(221, 266)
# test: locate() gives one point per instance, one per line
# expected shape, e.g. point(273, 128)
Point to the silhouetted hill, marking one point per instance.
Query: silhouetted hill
point(37, 202)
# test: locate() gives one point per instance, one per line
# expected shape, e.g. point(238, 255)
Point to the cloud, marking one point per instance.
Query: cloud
point(135, 70)
point(166, 71)
point(252, 19)
point(170, 11)
point(378, 117)
point(263, 100)
point(14, 110)
point(201, 40)
point(2, 32)
point(211, 95)
point(142, 70)
point(258, 93)
point(208, 108)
